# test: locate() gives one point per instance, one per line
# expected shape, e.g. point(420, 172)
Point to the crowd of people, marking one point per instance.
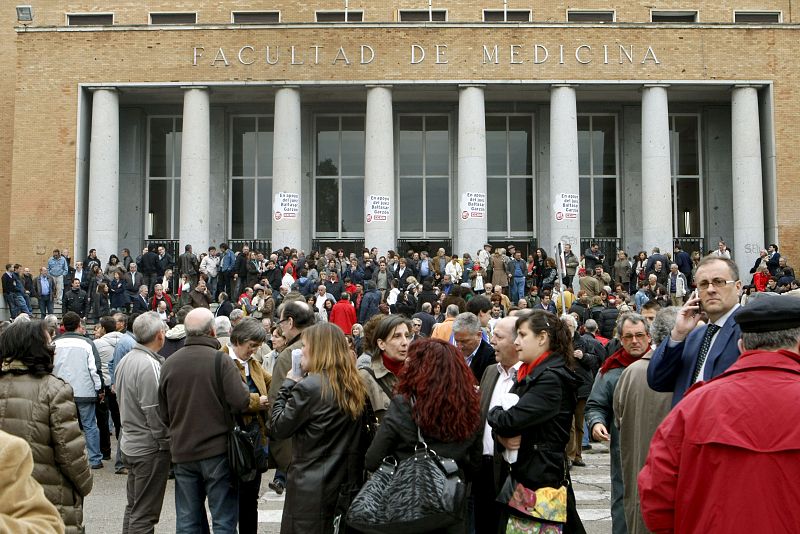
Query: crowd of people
point(509, 366)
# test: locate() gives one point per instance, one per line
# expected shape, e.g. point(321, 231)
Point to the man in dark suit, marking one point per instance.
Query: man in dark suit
point(496, 382)
point(684, 262)
point(139, 302)
point(691, 354)
point(134, 281)
point(773, 259)
point(467, 336)
point(654, 257)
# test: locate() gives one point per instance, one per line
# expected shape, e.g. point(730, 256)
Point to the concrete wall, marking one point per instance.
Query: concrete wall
point(717, 171)
point(630, 130)
point(132, 160)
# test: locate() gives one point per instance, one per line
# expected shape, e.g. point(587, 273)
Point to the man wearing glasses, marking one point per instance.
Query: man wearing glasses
point(692, 354)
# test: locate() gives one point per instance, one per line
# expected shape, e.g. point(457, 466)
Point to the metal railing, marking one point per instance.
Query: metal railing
point(608, 247)
point(428, 245)
point(258, 245)
point(347, 245)
point(692, 244)
point(171, 245)
point(527, 247)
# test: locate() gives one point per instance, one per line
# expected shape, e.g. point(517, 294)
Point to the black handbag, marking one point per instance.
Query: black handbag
point(242, 442)
point(421, 493)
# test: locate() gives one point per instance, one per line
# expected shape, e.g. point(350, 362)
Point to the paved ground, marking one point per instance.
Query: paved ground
point(106, 504)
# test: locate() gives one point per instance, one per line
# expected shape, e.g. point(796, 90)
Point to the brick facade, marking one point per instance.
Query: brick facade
point(44, 67)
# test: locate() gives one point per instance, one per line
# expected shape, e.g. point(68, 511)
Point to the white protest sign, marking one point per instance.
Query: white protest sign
point(566, 207)
point(473, 206)
point(378, 208)
point(286, 205)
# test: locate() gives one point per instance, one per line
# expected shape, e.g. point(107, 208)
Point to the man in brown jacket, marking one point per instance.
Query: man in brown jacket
point(194, 409)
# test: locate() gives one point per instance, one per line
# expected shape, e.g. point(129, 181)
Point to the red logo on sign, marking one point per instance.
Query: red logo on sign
point(559, 216)
point(465, 215)
point(369, 218)
point(277, 216)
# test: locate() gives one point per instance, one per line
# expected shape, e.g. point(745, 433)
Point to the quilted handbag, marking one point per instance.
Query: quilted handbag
point(421, 493)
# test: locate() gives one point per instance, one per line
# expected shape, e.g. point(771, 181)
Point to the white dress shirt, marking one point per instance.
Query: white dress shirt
point(501, 387)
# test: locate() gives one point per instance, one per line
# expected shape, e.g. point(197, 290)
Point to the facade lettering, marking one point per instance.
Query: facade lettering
point(491, 54)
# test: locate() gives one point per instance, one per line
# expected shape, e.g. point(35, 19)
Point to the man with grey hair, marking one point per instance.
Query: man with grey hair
point(638, 410)
point(468, 337)
point(662, 324)
point(496, 381)
point(635, 340)
point(426, 317)
point(744, 421)
point(223, 327)
point(199, 388)
point(444, 330)
point(145, 442)
point(237, 314)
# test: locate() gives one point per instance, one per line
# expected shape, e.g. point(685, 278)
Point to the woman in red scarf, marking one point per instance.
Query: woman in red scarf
point(539, 424)
point(390, 348)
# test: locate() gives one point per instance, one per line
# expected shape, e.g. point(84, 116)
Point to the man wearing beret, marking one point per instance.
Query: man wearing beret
point(691, 354)
point(724, 459)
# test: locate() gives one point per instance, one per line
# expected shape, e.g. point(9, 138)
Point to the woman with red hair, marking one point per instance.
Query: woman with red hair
point(437, 394)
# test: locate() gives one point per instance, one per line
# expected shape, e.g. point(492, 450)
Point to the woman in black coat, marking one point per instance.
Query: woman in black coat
point(445, 409)
point(542, 418)
point(321, 412)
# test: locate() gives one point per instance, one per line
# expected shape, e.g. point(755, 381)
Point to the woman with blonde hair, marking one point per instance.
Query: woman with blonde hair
point(321, 412)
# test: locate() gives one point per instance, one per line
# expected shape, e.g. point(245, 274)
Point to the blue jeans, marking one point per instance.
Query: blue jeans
point(45, 305)
point(86, 410)
point(194, 482)
point(517, 289)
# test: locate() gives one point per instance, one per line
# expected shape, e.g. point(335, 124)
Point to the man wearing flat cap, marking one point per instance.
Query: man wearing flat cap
point(725, 459)
point(692, 354)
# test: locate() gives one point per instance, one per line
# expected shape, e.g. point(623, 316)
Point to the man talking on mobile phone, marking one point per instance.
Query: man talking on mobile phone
point(692, 354)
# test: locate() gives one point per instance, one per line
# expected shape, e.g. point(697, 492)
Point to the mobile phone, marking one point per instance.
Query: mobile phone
point(699, 302)
point(297, 354)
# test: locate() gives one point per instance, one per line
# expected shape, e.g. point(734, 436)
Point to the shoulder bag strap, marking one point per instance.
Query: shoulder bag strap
point(386, 389)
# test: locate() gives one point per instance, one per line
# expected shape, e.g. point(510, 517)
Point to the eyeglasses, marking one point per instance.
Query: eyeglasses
point(640, 336)
point(282, 321)
point(719, 283)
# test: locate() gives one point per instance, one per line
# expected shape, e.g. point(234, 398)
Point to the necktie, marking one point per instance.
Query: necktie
point(711, 329)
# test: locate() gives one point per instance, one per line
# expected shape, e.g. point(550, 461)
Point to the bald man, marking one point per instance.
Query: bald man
point(196, 410)
point(496, 381)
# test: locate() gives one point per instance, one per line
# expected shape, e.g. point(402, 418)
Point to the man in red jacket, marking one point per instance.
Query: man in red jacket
point(343, 313)
point(726, 457)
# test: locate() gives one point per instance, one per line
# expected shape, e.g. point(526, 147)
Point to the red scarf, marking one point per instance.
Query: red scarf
point(621, 358)
point(527, 368)
point(393, 366)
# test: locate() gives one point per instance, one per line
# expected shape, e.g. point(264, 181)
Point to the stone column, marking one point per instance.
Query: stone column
point(103, 220)
point(286, 167)
point(195, 198)
point(564, 171)
point(472, 204)
point(379, 227)
point(748, 195)
point(656, 170)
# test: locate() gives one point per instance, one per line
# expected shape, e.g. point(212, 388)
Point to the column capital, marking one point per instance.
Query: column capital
point(468, 85)
point(379, 86)
point(187, 87)
point(651, 85)
point(560, 85)
point(94, 88)
point(747, 86)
